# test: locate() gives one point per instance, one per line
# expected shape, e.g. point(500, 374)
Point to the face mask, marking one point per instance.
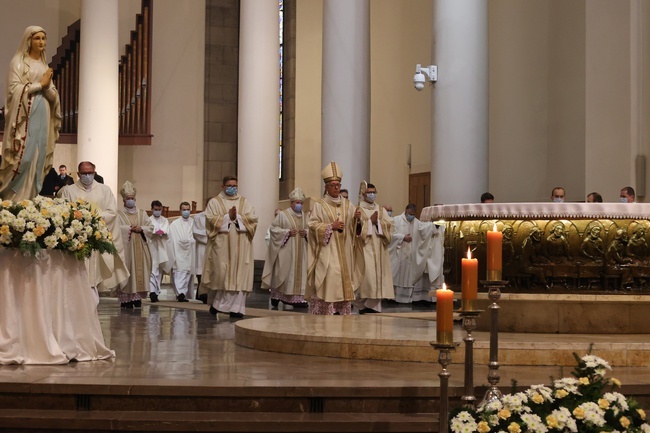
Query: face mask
point(231, 190)
point(130, 203)
point(185, 214)
point(558, 199)
point(623, 200)
point(410, 218)
point(370, 197)
point(390, 213)
point(157, 213)
point(87, 179)
point(298, 207)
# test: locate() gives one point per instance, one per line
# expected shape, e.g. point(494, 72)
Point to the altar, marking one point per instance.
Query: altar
point(48, 311)
point(570, 267)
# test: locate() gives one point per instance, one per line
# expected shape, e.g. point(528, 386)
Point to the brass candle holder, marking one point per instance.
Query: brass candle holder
point(444, 359)
point(494, 294)
point(469, 325)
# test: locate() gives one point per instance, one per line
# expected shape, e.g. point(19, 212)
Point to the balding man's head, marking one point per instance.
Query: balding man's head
point(86, 167)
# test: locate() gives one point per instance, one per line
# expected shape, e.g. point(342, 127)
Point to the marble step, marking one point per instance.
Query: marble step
point(45, 421)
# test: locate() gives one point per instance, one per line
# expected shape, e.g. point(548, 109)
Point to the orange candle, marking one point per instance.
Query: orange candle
point(444, 315)
point(494, 254)
point(469, 268)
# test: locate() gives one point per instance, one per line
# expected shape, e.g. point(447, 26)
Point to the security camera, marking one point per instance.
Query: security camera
point(422, 75)
point(419, 80)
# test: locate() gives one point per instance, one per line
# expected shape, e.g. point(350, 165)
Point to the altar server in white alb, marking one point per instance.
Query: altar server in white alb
point(371, 254)
point(105, 271)
point(285, 268)
point(162, 251)
point(417, 247)
point(182, 238)
point(229, 261)
point(201, 238)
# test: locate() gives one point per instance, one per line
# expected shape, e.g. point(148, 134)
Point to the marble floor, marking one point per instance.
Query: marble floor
point(180, 344)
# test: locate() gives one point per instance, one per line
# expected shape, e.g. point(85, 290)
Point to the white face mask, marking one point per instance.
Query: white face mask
point(371, 196)
point(558, 199)
point(129, 203)
point(87, 179)
point(157, 213)
point(623, 199)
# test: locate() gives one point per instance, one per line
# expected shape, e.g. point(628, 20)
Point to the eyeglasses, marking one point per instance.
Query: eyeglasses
point(334, 185)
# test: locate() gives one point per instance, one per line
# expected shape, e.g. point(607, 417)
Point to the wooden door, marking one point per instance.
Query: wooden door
point(420, 190)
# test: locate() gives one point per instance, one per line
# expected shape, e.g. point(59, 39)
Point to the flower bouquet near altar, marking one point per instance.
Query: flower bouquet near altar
point(54, 224)
point(585, 402)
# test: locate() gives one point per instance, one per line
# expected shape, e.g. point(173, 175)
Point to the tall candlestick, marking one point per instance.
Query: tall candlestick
point(444, 315)
point(494, 254)
point(469, 268)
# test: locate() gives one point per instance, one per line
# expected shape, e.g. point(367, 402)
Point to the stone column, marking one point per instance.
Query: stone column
point(459, 149)
point(98, 130)
point(346, 90)
point(258, 117)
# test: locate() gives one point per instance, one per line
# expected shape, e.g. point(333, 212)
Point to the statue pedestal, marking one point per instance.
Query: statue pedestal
point(48, 311)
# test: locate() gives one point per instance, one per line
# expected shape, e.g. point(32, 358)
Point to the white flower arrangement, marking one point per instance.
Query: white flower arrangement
point(54, 224)
point(576, 404)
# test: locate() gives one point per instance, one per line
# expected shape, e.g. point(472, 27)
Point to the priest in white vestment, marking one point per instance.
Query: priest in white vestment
point(184, 245)
point(285, 268)
point(162, 252)
point(416, 253)
point(372, 256)
point(229, 263)
point(136, 231)
point(105, 271)
point(332, 229)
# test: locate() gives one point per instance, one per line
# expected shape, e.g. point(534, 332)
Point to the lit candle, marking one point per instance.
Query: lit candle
point(494, 253)
point(469, 268)
point(444, 315)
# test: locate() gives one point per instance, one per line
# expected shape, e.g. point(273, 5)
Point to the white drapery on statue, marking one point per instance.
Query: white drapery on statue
point(48, 311)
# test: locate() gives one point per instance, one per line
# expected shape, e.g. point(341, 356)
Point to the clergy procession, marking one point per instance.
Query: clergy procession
point(338, 257)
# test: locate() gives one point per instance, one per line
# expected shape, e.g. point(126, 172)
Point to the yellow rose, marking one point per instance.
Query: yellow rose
point(483, 427)
point(77, 215)
point(64, 238)
point(5, 230)
point(552, 422)
point(602, 403)
point(579, 413)
point(503, 414)
point(537, 398)
point(584, 381)
point(24, 203)
point(81, 201)
point(615, 382)
point(6, 203)
point(81, 247)
point(641, 413)
point(45, 212)
point(624, 422)
point(561, 393)
point(514, 428)
point(98, 235)
point(38, 231)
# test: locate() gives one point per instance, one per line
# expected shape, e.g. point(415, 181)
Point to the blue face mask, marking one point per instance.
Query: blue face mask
point(410, 218)
point(87, 179)
point(129, 203)
point(298, 207)
point(231, 190)
point(558, 199)
point(371, 196)
point(157, 213)
point(185, 214)
point(623, 199)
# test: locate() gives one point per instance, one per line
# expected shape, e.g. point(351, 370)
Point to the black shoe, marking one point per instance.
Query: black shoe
point(275, 303)
point(236, 315)
point(181, 298)
point(123, 304)
point(129, 305)
point(203, 298)
point(367, 311)
point(300, 305)
point(137, 304)
point(153, 297)
point(213, 310)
